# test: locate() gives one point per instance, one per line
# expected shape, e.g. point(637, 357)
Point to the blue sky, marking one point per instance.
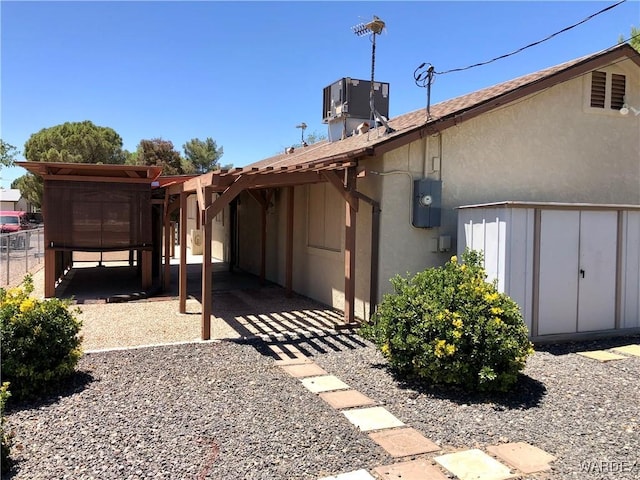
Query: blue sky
point(246, 73)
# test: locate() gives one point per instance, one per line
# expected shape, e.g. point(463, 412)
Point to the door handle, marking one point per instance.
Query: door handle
point(582, 273)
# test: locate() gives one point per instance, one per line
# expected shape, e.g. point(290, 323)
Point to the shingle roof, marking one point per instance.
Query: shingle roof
point(10, 195)
point(443, 114)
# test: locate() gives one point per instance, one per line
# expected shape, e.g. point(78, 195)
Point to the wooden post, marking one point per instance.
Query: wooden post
point(289, 244)
point(183, 253)
point(207, 281)
point(147, 268)
point(173, 240)
point(263, 244)
point(49, 272)
point(167, 251)
point(349, 252)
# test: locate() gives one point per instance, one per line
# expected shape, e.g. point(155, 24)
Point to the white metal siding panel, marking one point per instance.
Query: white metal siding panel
point(597, 278)
point(559, 237)
point(519, 260)
point(630, 311)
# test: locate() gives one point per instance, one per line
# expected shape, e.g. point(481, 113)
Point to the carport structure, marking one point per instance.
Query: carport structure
point(260, 183)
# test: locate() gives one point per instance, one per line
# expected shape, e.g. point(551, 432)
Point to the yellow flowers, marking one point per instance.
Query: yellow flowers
point(385, 349)
point(454, 259)
point(27, 304)
point(496, 311)
point(457, 323)
point(491, 297)
point(442, 348)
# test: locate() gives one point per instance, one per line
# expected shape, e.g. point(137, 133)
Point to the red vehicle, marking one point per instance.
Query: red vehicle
point(14, 221)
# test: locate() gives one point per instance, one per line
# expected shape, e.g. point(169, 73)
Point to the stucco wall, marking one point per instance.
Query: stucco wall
point(548, 147)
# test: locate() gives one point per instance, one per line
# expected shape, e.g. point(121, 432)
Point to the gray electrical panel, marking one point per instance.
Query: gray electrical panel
point(349, 97)
point(427, 203)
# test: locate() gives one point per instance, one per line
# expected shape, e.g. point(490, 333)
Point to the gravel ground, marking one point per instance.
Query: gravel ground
point(223, 410)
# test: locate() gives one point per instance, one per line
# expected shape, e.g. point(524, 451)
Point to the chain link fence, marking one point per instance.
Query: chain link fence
point(20, 253)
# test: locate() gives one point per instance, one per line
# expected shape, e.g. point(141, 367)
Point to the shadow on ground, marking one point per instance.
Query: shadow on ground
point(588, 345)
point(75, 383)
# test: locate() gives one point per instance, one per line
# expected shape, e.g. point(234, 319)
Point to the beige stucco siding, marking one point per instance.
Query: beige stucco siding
point(548, 147)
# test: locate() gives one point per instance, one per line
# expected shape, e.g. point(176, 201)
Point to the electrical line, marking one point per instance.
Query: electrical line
point(534, 43)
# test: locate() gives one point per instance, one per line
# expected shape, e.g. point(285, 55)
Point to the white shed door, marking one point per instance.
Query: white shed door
point(577, 271)
point(597, 273)
point(559, 240)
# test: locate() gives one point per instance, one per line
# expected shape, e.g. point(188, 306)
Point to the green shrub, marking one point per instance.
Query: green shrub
point(449, 326)
point(5, 436)
point(40, 341)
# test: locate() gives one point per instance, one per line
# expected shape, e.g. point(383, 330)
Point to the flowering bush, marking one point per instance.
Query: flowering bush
point(40, 341)
point(449, 326)
point(5, 437)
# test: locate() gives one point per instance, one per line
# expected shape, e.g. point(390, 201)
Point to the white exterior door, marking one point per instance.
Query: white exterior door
point(559, 240)
point(597, 279)
point(577, 281)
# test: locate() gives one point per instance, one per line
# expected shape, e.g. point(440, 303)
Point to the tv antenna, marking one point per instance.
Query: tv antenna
point(373, 28)
point(302, 126)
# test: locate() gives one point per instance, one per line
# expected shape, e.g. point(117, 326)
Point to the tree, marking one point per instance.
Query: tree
point(634, 38)
point(203, 154)
point(75, 142)
point(7, 154)
point(161, 153)
point(31, 188)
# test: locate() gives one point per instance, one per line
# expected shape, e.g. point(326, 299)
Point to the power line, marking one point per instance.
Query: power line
point(610, 7)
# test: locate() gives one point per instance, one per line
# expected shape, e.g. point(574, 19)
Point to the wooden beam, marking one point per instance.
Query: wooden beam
point(259, 196)
point(166, 274)
point(350, 253)
point(147, 269)
point(333, 178)
point(84, 178)
point(201, 201)
point(183, 253)
point(242, 182)
point(289, 244)
point(207, 270)
point(49, 272)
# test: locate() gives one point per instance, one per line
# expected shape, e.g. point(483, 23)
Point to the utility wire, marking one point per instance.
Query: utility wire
point(534, 43)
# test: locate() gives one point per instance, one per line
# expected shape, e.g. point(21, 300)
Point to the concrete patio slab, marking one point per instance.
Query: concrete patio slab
point(324, 383)
point(413, 470)
point(629, 350)
point(372, 418)
point(356, 475)
point(304, 370)
point(524, 457)
point(402, 442)
point(474, 464)
point(602, 355)
point(346, 399)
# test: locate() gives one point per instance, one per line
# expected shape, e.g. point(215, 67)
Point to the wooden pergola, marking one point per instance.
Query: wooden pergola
point(260, 182)
point(65, 185)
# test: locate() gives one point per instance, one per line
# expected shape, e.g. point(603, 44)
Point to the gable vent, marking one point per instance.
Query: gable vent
point(618, 88)
point(598, 89)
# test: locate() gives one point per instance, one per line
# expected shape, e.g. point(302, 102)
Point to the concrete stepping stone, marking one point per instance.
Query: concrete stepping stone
point(324, 383)
point(524, 457)
point(602, 356)
point(356, 475)
point(372, 418)
point(402, 442)
point(293, 361)
point(413, 470)
point(342, 399)
point(304, 370)
point(629, 350)
point(474, 464)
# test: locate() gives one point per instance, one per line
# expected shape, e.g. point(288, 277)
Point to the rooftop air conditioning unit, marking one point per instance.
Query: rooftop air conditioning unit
point(349, 97)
